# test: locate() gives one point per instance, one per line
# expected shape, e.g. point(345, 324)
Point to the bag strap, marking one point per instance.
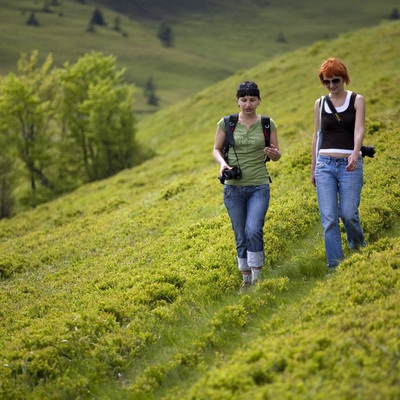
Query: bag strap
point(339, 119)
point(320, 133)
point(333, 109)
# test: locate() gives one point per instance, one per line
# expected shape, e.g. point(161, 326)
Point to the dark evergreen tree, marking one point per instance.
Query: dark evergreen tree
point(395, 14)
point(150, 92)
point(280, 38)
point(46, 6)
point(165, 35)
point(32, 20)
point(117, 24)
point(97, 18)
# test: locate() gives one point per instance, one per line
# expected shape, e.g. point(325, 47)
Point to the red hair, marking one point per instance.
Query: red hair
point(333, 67)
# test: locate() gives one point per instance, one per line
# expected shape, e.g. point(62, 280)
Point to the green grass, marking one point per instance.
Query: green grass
point(127, 288)
point(212, 41)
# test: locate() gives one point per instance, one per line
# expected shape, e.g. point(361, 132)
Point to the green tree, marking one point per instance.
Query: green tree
point(109, 129)
point(27, 106)
point(7, 179)
point(98, 118)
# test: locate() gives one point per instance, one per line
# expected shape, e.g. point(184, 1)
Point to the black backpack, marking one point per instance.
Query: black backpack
point(230, 125)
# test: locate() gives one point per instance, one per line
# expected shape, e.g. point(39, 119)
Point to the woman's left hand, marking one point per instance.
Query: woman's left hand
point(272, 152)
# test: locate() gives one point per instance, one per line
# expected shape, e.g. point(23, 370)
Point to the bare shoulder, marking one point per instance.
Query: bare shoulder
point(317, 104)
point(360, 100)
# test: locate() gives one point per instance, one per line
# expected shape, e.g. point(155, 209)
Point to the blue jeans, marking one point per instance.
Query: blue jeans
point(339, 194)
point(247, 207)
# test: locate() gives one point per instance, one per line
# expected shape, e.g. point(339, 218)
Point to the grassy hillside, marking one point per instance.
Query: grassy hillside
point(212, 39)
point(127, 288)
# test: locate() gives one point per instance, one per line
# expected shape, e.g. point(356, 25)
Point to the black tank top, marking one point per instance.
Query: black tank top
point(335, 135)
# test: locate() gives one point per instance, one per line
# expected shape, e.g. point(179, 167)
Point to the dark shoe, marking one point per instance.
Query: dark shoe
point(245, 286)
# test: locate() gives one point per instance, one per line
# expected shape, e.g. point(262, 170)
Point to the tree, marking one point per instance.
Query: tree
point(32, 20)
point(150, 92)
point(117, 27)
point(165, 35)
point(97, 18)
point(26, 108)
point(7, 179)
point(117, 24)
point(64, 127)
point(109, 129)
point(280, 38)
point(395, 14)
point(98, 118)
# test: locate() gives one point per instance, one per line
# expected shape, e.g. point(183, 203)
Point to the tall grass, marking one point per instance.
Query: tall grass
point(127, 288)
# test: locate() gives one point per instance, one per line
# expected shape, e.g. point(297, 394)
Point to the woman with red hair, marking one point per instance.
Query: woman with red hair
point(337, 163)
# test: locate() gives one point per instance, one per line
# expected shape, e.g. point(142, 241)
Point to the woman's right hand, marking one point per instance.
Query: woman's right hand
point(223, 167)
point(313, 177)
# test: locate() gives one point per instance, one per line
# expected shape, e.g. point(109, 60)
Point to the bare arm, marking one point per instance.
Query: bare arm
point(273, 151)
point(217, 151)
point(359, 131)
point(314, 141)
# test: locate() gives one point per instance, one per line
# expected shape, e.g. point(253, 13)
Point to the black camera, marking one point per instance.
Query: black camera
point(368, 151)
point(234, 173)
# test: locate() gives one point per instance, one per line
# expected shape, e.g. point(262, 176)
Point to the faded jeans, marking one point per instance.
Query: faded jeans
point(247, 207)
point(339, 193)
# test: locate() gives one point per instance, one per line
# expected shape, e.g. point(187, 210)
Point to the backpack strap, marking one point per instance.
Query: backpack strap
point(230, 125)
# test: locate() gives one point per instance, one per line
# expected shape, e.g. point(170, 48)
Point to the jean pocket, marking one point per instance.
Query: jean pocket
point(227, 190)
point(319, 165)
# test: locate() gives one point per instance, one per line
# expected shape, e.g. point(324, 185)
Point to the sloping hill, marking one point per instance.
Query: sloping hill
point(209, 40)
point(127, 288)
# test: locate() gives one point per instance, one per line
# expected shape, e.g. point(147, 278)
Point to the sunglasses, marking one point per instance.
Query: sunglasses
point(334, 81)
point(248, 86)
